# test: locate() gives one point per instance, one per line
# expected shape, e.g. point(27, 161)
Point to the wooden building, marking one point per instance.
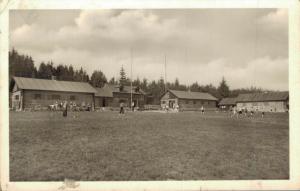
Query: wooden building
point(31, 93)
point(113, 95)
point(187, 100)
point(267, 102)
point(227, 103)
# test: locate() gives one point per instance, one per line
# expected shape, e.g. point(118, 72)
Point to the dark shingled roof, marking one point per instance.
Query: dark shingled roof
point(108, 89)
point(258, 97)
point(228, 101)
point(105, 91)
point(53, 85)
point(192, 95)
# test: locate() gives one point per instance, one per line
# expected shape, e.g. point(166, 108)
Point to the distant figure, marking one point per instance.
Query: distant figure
point(122, 108)
point(167, 108)
point(132, 106)
point(233, 111)
point(177, 107)
point(240, 112)
point(246, 112)
point(262, 114)
point(252, 112)
point(65, 109)
point(202, 109)
point(56, 106)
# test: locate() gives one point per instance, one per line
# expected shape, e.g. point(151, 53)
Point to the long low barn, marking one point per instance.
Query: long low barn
point(268, 102)
point(40, 93)
point(188, 100)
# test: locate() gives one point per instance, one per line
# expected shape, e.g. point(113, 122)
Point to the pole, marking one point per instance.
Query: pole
point(131, 79)
point(165, 73)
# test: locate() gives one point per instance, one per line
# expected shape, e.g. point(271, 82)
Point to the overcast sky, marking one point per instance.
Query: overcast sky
point(249, 47)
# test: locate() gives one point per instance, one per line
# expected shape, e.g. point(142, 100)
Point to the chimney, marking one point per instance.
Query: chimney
point(53, 77)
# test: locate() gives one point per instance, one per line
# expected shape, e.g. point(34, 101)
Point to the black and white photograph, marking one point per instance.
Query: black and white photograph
point(156, 94)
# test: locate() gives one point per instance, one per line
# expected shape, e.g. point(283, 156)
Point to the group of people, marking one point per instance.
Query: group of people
point(71, 105)
point(175, 107)
point(239, 112)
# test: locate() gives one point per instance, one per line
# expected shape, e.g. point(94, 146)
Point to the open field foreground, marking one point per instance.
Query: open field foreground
point(103, 146)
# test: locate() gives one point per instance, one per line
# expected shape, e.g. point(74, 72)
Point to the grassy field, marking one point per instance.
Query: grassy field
point(102, 146)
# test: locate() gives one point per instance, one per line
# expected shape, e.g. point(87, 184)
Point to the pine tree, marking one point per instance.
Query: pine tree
point(223, 89)
point(123, 78)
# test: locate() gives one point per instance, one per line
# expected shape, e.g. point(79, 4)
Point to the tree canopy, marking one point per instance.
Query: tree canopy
point(24, 66)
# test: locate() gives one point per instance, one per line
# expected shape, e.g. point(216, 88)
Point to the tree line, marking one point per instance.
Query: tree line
point(23, 66)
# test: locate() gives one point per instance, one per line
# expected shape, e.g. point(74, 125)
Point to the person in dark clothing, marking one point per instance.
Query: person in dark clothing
point(65, 109)
point(122, 108)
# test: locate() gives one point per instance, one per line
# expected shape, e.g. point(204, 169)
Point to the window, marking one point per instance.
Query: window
point(55, 96)
point(163, 102)
point(186, 101)
point(72, 97)
point(16, 97)
point(194, 101)
point(37, 96)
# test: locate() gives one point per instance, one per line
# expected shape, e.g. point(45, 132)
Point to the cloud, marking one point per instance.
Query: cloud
point(200, 45)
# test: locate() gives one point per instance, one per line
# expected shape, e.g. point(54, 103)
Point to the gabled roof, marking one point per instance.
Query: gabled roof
point(192, 95)
point(108, 89)
point(53, 85)
point(228, 101)
point(257, 97)
point(105, 91)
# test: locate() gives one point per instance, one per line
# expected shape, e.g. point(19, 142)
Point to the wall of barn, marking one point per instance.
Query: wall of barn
point(107, 101)
point(197, 104)
point(268, 106)
point(16, 100)
point(42, 99)
point(125, 98)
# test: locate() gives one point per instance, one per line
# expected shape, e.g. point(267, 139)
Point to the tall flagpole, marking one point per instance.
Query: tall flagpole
point(165, 73)
point(131, 79)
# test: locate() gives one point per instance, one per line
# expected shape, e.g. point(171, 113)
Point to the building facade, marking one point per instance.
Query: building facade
point(227, 103)
point(267, 102)
point(187, 100)
point(113, 95)
point(31, 93)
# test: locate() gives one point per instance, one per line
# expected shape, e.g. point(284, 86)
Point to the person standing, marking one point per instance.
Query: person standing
point(65, 109)
point(132, 105)
point(202, 109)
point(122, 108)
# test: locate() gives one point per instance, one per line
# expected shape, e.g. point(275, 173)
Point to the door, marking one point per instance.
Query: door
point(103, 102)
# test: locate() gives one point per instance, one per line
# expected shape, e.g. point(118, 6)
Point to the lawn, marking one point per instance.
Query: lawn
point(102, 146)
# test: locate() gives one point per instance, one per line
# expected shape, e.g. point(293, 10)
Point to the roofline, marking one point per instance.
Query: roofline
point(262, 100)
point(188, 98)
point(52, 80)
point(128, 93)
point(199, 99)
point(57, 91)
